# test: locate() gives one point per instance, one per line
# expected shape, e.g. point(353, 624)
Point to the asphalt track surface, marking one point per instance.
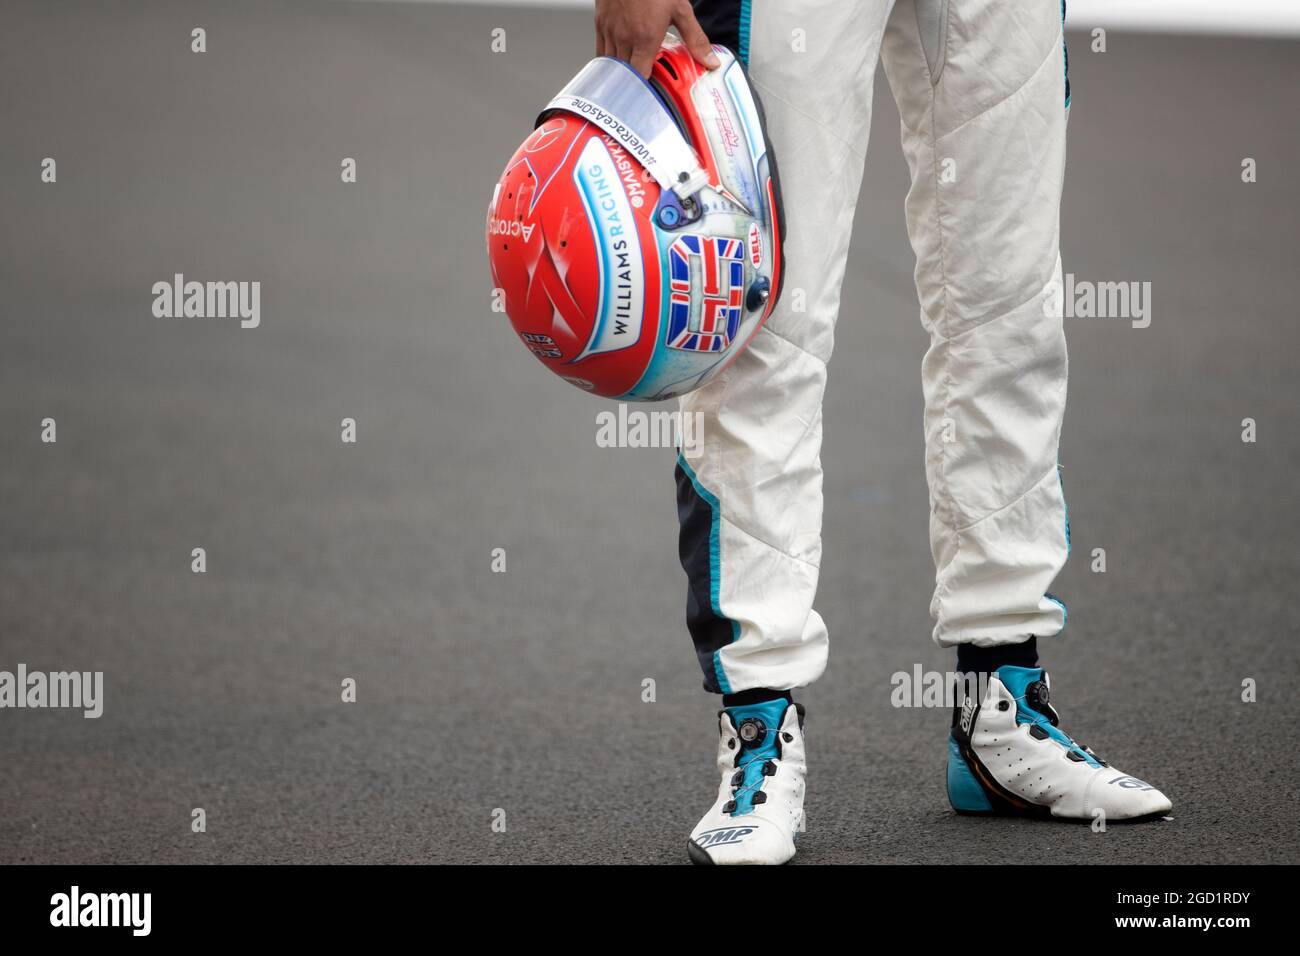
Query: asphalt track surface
point(522, 691)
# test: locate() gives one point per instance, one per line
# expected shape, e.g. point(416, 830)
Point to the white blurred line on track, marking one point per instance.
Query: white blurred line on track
point(1279, 18)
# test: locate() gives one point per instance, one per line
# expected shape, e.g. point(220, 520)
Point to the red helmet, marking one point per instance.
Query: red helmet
point(636, 234)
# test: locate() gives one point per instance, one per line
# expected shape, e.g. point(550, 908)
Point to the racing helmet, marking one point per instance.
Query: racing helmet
point(636, 234)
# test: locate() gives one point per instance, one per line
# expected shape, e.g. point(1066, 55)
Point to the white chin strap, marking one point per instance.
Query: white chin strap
point(610, 94)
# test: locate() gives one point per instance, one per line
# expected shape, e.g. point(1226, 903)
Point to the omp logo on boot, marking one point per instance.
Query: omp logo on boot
point(967, 714)
point(723, 835)
point(1130, 783)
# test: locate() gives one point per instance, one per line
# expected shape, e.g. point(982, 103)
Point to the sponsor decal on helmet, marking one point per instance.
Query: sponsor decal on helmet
point(543, 346)
point(755, 245)
point(727, 134)
point(739, 90)
point(616, 127)
point(620, 311)
point(510, 227)
point(629, 171)
point(544, 135)
point(717, 265)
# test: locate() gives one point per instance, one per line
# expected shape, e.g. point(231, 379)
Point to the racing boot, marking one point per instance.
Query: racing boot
point(759, 810)
point(1007, 756)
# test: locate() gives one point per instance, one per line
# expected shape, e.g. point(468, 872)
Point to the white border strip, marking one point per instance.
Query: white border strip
point(1231, 17)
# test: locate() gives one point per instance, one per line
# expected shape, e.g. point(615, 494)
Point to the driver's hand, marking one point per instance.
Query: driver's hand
point(633, 30)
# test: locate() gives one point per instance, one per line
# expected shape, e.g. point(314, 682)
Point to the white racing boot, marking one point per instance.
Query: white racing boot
point(759, 810)
point(1007, 756)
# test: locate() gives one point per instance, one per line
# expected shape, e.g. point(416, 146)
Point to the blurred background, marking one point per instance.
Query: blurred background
point(518, 696)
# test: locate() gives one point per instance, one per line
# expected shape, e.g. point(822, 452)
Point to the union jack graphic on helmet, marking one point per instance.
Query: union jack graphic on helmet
point(722, 277)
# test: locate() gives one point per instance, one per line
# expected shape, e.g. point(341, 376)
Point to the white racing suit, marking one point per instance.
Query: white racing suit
point(981, 87)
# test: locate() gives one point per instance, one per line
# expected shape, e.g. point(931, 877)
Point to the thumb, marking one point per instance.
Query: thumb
point(693, 36)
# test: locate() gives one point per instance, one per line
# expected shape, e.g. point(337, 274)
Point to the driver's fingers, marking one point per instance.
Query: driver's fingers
point(693, 36)
point(642, 60)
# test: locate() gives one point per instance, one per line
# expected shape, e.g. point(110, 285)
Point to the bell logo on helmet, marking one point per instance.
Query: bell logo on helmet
point(715, 267)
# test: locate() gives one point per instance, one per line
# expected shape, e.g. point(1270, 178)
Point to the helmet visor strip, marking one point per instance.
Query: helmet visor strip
point(610, 94)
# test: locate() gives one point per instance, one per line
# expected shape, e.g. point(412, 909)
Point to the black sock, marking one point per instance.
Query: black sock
point(985, 660)
point(758, 695)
